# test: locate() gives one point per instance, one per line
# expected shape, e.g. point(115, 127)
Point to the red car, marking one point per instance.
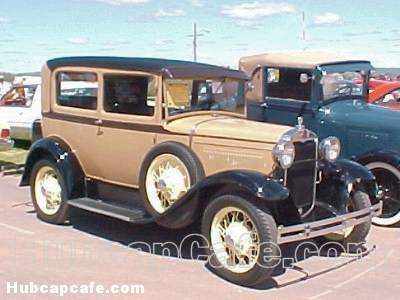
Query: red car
point(386, 94)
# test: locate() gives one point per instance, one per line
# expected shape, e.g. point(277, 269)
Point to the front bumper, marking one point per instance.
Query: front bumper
point(323, 227)
point(6, 145)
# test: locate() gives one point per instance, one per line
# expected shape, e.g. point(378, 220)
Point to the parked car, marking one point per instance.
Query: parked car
point(5, 141)
point(330, 93)
point(167, 141)
point(21, 107)
point(387, 95)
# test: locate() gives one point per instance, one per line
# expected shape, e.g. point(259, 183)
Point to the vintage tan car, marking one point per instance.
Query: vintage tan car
point(151, 140)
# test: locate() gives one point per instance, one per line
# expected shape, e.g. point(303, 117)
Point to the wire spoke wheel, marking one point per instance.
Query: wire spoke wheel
point(48, 191)
point(167, 180)
point(235, 240)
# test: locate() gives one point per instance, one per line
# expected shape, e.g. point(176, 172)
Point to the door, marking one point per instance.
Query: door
point(287, 95)
point(127, 127)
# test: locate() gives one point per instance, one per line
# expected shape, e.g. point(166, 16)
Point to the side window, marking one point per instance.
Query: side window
point(77, 90)
point(129, 94)
point(288, 84)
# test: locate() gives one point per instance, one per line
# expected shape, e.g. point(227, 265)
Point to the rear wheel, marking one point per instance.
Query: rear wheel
point(388, 180)
point(242, 240)
point(48, 192)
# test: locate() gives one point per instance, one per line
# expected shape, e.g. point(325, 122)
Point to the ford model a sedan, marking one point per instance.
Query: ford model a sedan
point(331, 94)
point(170, 140)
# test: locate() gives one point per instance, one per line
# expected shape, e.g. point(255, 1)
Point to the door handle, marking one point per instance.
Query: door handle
point(264, 105)
point(98, 122)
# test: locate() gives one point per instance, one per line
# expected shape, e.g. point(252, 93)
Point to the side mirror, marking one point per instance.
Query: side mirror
point(304, 78)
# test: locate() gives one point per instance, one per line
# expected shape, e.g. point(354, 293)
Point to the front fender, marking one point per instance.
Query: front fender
point(59, 152)
point(347, 172)
point(253, 184)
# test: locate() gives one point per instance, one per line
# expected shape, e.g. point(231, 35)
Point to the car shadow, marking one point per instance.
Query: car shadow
point(185, 244)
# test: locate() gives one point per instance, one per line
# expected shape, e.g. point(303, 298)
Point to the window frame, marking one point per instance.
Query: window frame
point(103, 100)
point(54, 106)
point(265, 84)
point(112, 116)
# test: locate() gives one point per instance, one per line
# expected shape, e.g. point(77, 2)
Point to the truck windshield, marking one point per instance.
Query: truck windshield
point(190, 95)
point(343, 85)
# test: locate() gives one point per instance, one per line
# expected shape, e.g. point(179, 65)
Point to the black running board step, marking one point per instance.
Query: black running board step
point(116, 211)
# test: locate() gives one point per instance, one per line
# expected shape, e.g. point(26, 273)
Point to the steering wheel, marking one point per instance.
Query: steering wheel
point(342, 90)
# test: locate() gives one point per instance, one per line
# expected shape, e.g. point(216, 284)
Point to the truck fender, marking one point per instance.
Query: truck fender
point(59, 152)
point(390, 157)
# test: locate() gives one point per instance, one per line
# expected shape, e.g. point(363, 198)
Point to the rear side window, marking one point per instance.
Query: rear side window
point(77, 90)
point(287, 84)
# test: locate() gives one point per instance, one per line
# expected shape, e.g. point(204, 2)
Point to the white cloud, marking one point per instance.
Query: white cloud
point(123, 2)
point(165, 42)
point(256, 9)
point(328, 19)
point(4, 20)
point(77, 40)
point(198, 3)
point(169, 13)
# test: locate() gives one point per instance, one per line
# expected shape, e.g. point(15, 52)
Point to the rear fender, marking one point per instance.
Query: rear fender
point(59, 152)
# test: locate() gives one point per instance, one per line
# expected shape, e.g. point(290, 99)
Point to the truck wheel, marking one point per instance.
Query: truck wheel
point(354, 235)
point(242, 240)
point(388, 179)
point(167, 173)
point(48, 192)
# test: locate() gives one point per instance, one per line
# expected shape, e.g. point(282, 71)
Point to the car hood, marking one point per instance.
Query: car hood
point(359, 114)
point(227, 127)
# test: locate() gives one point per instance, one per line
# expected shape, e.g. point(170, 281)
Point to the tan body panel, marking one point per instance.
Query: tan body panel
point(111, 147)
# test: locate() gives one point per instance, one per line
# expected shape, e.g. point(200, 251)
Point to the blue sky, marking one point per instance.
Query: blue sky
point(33, 31)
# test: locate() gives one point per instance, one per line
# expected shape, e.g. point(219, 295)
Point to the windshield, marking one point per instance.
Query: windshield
point(339, 85)
point(190, 95)
point(19, 96)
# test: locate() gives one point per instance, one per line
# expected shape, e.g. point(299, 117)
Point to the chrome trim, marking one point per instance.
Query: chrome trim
point(322, 227)
point(315, 181)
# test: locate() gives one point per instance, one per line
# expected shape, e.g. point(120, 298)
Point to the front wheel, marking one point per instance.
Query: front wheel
point(388, 180)
point(48, 192)
point(354, 235)
point(242, 240)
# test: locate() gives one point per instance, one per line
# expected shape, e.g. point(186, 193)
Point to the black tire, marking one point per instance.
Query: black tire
point(387, 178)
point(267, 230)
point(62, 215)
point(183, 153)
point(353, 242)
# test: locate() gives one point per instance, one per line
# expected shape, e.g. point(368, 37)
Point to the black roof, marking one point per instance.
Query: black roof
point(166, 67)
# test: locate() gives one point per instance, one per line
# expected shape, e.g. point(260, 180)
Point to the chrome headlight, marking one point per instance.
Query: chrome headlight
point(329, 148)
point(284, 153)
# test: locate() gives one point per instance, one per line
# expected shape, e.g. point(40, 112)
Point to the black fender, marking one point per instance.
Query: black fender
point(344, 172)
point(390, 157)
point(258, 186)
point(58, 151)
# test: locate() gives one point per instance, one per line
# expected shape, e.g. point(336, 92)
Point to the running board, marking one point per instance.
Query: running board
point(113, 210)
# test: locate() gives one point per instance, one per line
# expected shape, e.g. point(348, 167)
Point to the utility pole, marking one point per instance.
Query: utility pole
point(195, 37)
point(304, 28)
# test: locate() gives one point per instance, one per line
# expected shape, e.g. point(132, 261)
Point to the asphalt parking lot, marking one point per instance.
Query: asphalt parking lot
point(99, 249)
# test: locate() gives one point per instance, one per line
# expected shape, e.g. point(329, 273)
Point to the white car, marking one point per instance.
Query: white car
point(5, 141)
point(20, 108)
